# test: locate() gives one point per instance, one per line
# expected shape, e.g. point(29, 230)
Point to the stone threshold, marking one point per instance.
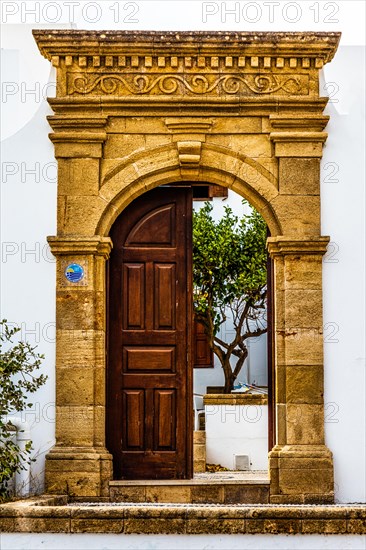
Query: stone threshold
point(51, 514)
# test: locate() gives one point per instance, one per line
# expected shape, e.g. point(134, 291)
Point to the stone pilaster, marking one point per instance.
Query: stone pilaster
point(79, 464)
point(301, 466)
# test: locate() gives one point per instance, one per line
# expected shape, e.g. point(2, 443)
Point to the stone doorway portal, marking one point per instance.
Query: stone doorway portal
point(136, 110)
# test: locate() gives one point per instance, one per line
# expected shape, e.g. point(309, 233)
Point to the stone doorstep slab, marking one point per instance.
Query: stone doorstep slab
point(187, 482)
point(39, 515)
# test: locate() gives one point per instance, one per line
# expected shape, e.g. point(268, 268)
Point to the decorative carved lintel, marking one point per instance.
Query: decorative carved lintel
point(159, 65)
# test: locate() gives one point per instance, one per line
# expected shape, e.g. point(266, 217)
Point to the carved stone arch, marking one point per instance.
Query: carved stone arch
point(247, 177)
point(137, 109)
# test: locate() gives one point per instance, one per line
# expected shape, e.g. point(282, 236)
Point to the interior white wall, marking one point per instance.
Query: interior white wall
point(29, 215)
point(237, 430)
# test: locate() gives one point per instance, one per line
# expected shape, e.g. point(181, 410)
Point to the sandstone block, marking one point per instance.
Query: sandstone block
point(324, 526)
point(304, 308)
point(75, 426)
point(96, 525)
point(75, 310)
point(303, 346)
point(314, 481)
point(123, 145)
point(168, 494)
point(41, 525)
point(246, 494)
point(273, 526)
point(356, 526)
point(78, 177)
point(304, 384)
point(303, 272)
point(238, 125)
point(305, 424)
point(207, 493)
point(150, 526)
point(75, 386)
point(299, 176)
point(81, 348)
point(298, 214)
point(215, 526)
point(127, 494)
point(81, 216)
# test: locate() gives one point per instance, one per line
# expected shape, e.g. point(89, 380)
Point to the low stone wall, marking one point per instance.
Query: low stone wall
point(235, 399)
point(40, 516)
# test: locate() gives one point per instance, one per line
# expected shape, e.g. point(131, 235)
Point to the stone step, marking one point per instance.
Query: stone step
point(236, 489)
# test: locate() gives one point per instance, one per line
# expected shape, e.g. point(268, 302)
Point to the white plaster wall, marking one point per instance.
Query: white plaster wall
point(55, 541)
point(29, 215)
point(343, 218)
point(237, 430)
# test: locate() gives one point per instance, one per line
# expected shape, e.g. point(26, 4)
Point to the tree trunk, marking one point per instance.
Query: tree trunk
point(229, 378)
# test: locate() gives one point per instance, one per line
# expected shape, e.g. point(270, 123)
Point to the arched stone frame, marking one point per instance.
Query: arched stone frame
point(262, 131)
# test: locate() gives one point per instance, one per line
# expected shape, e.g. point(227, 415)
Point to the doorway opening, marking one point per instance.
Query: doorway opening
point(167, 416)
point(230, 362)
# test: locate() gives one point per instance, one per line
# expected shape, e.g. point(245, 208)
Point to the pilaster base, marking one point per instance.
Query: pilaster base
point(79, 472)
point(301, 474)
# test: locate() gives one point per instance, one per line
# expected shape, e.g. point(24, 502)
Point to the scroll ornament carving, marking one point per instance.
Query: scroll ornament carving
point(199, 84)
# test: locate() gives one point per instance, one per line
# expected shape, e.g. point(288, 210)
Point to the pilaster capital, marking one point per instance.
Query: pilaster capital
point(78, 137)
point(62, 123)
point(298, 144)
point(285, 246)
point(95, 246)
point(298, 122)
point(298, 135)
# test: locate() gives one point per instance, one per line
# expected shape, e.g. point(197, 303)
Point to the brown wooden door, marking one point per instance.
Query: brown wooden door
point(149, 389)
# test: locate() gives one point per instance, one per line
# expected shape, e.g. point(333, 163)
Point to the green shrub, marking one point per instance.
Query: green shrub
point(18, 362)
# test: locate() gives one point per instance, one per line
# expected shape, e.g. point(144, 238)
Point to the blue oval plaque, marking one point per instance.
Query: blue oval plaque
point(74, 273)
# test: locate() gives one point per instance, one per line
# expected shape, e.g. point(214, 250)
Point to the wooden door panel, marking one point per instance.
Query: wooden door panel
point(165, 420)
point(150, 359)
point(134, 292)
point(202, 353)
point(164, 284)
point(157, 225)
point(149, 386)
point(133, 402)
